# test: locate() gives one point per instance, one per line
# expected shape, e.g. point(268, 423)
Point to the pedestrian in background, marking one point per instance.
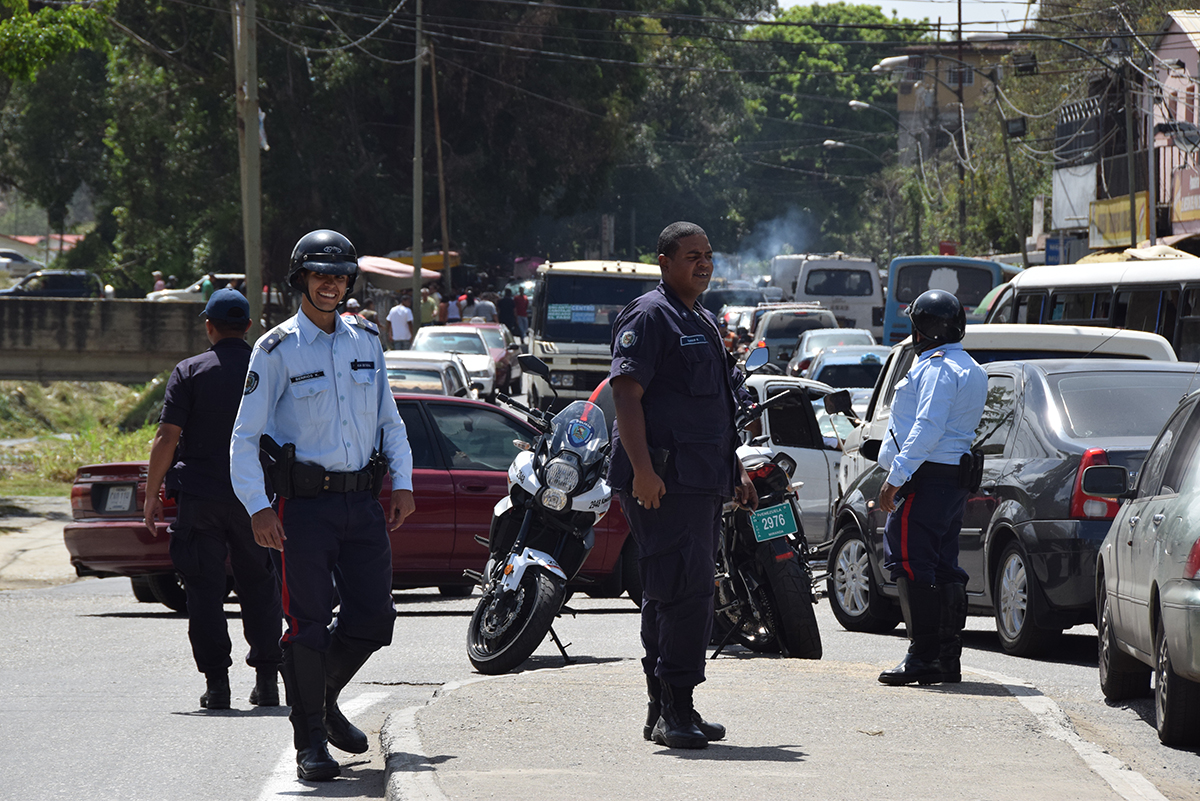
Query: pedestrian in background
point(191, 451)
point(506, 311)
point(674, 466)
point(486, 310)
point(400, 320)
point(159, 283)
point(368, 312)
point(317, 383)
point(521, 310)
point(934, 414)
point(206, 287)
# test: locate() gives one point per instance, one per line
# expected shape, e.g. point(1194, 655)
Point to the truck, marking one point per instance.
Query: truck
point(849, 286)
point(570, 325)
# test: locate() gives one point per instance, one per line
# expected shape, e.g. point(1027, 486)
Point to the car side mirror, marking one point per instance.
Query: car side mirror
point(1106, 481)
point(839, 403)
point(534, 365)
point(757, 358)
point(870, 449)
point(514, 348)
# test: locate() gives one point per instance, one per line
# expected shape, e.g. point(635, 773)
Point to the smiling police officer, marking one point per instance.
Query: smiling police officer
point(934, 415)
point(317, 384)
point(674, 466)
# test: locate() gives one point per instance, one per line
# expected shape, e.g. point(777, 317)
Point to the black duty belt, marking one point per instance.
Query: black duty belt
point(347, 482)
point(936, 470)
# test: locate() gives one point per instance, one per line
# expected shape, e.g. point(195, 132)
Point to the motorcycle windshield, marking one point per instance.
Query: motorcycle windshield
point(580, 429)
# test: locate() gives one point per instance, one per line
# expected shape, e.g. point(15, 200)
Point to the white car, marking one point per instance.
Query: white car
point(194, 294)
point(428, 372)
point(465, 343)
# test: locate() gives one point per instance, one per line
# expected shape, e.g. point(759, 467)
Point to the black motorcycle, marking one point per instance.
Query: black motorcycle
point(764, 584)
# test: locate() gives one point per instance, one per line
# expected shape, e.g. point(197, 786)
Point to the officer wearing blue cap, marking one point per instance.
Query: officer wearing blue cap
point(191, 450)
point(932, 425)
point(318, 387)
point(674, 466)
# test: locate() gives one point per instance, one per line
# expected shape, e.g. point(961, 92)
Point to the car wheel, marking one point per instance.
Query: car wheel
point(1016, 597)
point(1121, 676)
point(455, 590)
point(851, 585)
point(141, 589)
point(168, 590)
point(1176, 700)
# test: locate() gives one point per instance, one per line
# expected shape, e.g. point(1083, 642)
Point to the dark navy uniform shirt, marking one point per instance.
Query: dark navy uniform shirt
point(203, 395)
point(686, 375)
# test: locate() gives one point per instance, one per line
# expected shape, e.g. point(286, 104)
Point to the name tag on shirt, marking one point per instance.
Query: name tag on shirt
point(697, 339)
point(296, 379)
point(357, 365)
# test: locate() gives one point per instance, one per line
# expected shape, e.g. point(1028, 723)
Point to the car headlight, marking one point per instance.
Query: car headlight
point(565, 380)
point(554, 499)
point(562, 475)
point(480, 373)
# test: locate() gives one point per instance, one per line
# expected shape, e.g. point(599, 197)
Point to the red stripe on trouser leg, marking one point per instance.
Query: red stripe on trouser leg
point(908, 505)
point(286, 599)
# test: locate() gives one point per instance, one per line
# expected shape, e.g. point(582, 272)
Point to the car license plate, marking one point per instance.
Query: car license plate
point(119, 499)
point(774, 521)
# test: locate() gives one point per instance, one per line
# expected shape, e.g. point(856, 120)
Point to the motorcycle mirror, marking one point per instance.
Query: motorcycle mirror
point(534, 365)
point(839, 403)
point(757, 358)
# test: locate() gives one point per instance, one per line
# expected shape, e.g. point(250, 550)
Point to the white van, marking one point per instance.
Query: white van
point(846, 285)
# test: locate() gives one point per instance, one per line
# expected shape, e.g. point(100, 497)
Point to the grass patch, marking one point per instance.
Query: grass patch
point(48, 466)
point(30, 409)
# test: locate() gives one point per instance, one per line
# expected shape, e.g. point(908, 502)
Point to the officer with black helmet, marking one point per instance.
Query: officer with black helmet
point(317, 386)
point(934, 414)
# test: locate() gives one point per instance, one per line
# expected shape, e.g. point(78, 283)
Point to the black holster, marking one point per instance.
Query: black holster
point(279, 470)
point(379, 468)
point(970, 470)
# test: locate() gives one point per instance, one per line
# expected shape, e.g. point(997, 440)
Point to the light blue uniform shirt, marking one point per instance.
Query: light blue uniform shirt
point(326, 393)
point(934, 413)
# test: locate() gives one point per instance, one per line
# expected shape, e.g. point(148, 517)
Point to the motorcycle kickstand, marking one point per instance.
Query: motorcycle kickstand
point(729, 634)
point(562, 649)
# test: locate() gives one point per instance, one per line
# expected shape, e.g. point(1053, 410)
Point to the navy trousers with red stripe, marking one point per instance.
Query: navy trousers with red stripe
point(338, 537)
point(920, 538)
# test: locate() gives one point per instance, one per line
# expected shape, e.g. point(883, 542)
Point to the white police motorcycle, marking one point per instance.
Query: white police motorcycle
point(541, 532)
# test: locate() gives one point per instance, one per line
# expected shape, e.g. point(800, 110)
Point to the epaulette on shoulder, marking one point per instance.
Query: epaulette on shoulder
point(272, 340)
point(937, 353)
point(365, 325)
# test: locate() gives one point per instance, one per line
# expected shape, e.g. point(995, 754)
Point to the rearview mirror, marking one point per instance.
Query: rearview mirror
point(534, 365)
point(757, 358)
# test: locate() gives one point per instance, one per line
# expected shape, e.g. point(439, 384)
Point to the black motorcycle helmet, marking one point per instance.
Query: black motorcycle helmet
point(938, 317)
point(325, 252)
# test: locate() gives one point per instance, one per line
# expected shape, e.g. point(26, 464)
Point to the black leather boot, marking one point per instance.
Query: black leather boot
point(711, 731)
point(266, 687)
point(342, 661)
point(304, 676)
point(675, 727)
point(921, 605)
point(217, 695)
point(953, 621)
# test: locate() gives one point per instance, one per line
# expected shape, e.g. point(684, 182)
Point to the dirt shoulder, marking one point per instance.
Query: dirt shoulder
point(32, 553)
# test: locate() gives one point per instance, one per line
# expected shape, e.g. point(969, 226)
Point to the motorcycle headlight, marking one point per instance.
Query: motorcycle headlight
point(554, 499)
point(562, 475)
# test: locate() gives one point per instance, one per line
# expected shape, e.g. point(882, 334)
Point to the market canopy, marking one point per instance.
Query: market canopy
point(392, 275)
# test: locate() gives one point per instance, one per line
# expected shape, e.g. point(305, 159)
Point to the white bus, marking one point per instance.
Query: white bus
point(1161, 296)
point(570, 327)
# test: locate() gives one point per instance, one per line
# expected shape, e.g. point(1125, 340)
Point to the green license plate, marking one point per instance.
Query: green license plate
point(774, 521)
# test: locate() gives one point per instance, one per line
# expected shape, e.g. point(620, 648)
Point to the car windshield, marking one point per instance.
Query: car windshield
point(492, 337)
point(1118, 404)
point(403, 379)
point(849, 375)
point(792, 324)
point(581, 308)
point(838, 282)
point(968, 284)
point(833, 339)
point(443, 341)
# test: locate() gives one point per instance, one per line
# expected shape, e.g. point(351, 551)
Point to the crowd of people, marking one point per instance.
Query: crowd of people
point(398, 323)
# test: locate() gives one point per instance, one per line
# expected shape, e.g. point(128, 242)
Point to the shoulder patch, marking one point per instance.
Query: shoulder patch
point(937, 353)
point(627, 338)
point(273, 339)
point(365, 325)
point(251, 383)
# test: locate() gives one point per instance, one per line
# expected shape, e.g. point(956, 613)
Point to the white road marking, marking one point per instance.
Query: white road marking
point(1129, 784)
point(283, 782)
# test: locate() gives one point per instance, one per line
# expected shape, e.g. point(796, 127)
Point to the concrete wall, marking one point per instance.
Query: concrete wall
point(130, 341)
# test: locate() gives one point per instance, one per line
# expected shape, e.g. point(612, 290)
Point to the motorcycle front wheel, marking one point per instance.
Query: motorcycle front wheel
point(506, 630)
point(791, 590)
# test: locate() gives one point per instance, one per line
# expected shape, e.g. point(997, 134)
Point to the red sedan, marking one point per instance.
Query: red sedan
point(503, 350)
point(461, 452)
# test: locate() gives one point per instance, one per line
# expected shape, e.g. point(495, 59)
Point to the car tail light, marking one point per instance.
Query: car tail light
point(1085, 507)
point(81, 498)
point(804, 363)
point(1193, 561)
point(762, 343)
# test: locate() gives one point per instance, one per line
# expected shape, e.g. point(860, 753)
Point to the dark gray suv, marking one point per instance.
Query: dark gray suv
point(57, 284)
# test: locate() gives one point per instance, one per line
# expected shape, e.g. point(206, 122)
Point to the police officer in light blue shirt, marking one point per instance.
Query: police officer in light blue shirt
point(926, 452)
point(318, 382)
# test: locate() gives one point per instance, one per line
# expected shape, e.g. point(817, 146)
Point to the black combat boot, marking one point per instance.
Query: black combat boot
point(216, 696)
point(342, 661)
point(711, 731)
point(304, 677)
point(266, 687)
point(675, 727)
point(921, 605)
point(953, 620)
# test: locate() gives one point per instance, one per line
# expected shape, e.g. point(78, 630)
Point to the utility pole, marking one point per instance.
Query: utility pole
point(418, 188)
point(245, 48)
point(962, 140)
point(437, 132)
point(1129, 154)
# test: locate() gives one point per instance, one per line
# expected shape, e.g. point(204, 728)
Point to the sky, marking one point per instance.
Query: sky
point(977, 14)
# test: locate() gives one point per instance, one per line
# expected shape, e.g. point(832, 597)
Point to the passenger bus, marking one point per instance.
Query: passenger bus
point(967, 279)
point(1160, 295)
point(570, 326)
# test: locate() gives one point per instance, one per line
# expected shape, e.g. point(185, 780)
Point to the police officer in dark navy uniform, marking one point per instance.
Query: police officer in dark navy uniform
point(674, 466)
point(934, 414)
point(317, 386)
point(191, 450)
